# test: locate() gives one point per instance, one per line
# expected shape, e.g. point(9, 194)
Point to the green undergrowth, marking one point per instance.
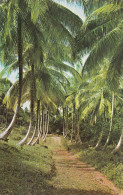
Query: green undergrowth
point(109, 164)
point(26, 170)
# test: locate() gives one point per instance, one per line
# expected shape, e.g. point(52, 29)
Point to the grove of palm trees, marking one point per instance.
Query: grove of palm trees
point(59, 101)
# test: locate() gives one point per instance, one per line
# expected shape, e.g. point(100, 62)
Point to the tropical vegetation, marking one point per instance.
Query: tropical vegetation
point(45, 43)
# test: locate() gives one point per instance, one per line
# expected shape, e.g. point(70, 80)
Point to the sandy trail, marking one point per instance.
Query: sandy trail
point(74, 177)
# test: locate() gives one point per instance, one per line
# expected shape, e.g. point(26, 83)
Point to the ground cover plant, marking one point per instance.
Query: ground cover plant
point(24, 170)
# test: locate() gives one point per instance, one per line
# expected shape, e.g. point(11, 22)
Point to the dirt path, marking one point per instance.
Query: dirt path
point(74, 177)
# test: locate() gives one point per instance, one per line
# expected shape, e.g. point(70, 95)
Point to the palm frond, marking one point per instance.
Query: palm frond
point(103, 47)
point(115, 72)
point(65, 16)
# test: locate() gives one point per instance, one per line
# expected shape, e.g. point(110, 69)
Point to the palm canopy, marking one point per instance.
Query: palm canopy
point(102, 36)
point(4, 86)
point(89, 5)
point(39, 30)
point(50, 91)
point(99, 102)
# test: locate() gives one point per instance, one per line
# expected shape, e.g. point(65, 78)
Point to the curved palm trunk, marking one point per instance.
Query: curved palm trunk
point(63, 121)
point(37, 124)
point(23, 141)
point(100, 138)
point(36, 140)
point(72, 127)
point(40, 127)
point(75, 126)
point(43, 121)
point(44, 124)
point(78, 138)
point(120, 143)
point(66, 129)
point(30, 141)
point(112, 112)
point(44, 134)
point(47, 126)
point(6, 133)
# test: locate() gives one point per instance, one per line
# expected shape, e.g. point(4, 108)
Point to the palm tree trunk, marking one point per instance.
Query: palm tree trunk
point(47, 126)
point(30, 141)
point(42, 120)
point(38, 119)
point(120, 143)
point(66, 132)
point(23, 141)
point(38, 124)
point(6, 133)
point(63, 121)
point(72, 127)
point(40, 127)
point(112, 112)
point(100, 138)
point(75, 126)
point(78, 130)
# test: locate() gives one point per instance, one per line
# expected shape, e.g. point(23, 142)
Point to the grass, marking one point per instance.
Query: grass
point(24, 171)
point(109, 164)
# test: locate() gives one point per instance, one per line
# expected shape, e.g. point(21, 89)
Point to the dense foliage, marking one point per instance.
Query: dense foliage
point(46, 42)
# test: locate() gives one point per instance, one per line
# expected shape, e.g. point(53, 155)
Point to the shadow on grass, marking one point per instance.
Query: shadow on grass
point(64, 191)
point(19, 175)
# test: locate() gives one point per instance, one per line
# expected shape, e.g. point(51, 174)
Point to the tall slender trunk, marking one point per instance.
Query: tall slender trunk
point(75, 126)
point(43, 124)
point(6, 133)
point(72, 126)
point(66, 122)
point(23, 141)
point(30, 141)
point(120, 143)
point(112, 112)
point(78, 138)
point(100, 137)
point(38, 136)
point(47, 126)
point(63, 121)
point(38, 124)
point(73, 122)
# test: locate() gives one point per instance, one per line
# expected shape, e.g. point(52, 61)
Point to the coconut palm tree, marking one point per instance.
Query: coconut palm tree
point(99, 103)
point(101, 36)
point(8, 30)
point(34, 18)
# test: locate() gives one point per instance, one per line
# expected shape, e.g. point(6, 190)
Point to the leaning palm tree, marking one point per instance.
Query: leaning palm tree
point(47, 91)
point(111, 122)
point(36, 17)
point(102, 36)
point(98, 103)
point(5, 134)
point(31, 105)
